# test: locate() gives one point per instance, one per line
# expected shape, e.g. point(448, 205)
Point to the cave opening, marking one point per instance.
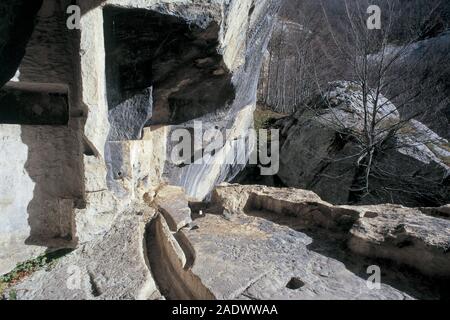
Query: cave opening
point(176, 58)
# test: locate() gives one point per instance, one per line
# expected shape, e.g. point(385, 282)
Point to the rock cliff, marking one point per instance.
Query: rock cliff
point(133, 73)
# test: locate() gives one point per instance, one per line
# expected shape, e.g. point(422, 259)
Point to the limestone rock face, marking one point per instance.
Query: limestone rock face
point(70, 183)
point(283, 90)
point(316, 153)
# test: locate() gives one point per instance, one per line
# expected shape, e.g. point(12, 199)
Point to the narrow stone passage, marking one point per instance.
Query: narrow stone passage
point(170, 265)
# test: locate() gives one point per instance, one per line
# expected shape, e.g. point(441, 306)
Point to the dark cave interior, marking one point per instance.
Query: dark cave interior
point(179, 59)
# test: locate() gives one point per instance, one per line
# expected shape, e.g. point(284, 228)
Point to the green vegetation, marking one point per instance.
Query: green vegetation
point(24, 269)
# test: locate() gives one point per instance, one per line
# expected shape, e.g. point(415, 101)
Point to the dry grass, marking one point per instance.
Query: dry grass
point(265, 117)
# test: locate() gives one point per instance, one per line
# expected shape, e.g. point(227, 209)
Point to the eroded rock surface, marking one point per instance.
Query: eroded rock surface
point(174, 205)
point(125, 204)
point(127, 120)
point(269, 243)
point(253, 258)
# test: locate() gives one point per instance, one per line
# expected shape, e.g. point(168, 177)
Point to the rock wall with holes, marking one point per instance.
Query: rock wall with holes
point(86, 121)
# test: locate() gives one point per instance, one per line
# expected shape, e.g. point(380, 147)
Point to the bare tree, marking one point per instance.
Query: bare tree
point(378, 69)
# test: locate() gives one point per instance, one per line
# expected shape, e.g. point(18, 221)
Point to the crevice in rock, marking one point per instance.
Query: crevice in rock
point(95, 290)
point(442, 212)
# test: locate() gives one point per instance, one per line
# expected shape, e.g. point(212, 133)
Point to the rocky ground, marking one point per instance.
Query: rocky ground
point(255, 242)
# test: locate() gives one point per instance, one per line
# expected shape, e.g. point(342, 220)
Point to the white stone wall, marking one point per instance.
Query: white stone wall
point(36, 198)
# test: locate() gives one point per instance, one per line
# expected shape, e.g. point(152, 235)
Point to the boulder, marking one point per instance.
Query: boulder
point(320, 152)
